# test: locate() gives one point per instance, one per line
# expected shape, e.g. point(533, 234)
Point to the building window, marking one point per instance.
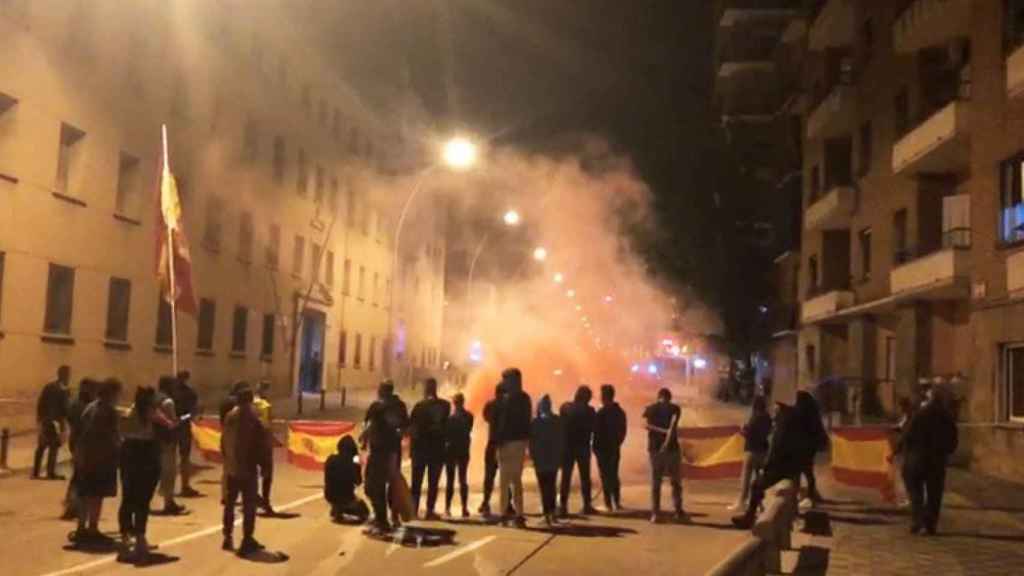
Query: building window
point(273, 254)
point(163, 323)
point(373, 353)
point(129, 185)
point(245, 237)
point(865, 253)
point(361, 289)
point(357, 359)
point(387, 292)
point(317, 253)
point(812, 275)
point(69, 158)
point(329, 268)
point(319, 185)
point(1013, 365)
point(239, 329)
point(302, 182)
point(865, 148)
point(342, 348)
point(332, 195)
point(867, 41)
point(250, 142)
point(213, 231)
point(346, 278)
point(298, 254)
point(1013, 20)
point(1011, 201)
point(60, 293)
point(901, 112)
point(815, 183)
point(899, 237)
point(811, 361)
point(207, 315)
point(119, 298)
point(280, 159)
point(376, 288)
point(267, 344)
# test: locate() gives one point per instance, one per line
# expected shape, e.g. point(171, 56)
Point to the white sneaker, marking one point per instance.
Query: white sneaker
point(735, 506)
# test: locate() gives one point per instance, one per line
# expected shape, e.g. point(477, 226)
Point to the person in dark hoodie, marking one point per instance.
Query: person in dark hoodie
point(930, 439)
point(491, 451)
point(385, 424)
point(429, 423)
point(786, 458)
point(609, 434)
point(547, 450)
point(817, 441)
point(513, 434)
point(342, 475)
point(578, 419)
point(458, 436)
point(756, 433)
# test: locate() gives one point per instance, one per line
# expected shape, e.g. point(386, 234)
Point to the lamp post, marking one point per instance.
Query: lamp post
point(459, 154)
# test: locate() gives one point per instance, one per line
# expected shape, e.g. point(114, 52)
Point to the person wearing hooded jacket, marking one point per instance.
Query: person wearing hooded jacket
point(513, 434)
point(547, 449)
point(578, 419)
point(342, 475)
point(609, 434)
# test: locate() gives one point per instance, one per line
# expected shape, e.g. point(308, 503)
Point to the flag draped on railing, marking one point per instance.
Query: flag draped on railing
point(860, 457)
point(310, 443)
point(711, 453)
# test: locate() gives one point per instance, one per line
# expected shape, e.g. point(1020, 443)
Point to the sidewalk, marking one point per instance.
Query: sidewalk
point(856, 534)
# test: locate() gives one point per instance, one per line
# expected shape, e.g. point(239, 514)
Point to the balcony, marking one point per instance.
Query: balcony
point(834, 114)
point(824, 305)
point(939, 145)
point(940, 275)
point(832, 211)
point(833, 24)
point(1015, 72)
point(925, 23)
point(742, 12)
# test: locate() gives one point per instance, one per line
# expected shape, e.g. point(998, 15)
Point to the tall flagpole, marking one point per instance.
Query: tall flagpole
point(170, 264)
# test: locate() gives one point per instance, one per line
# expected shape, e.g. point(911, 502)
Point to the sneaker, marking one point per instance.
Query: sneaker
point(249, 546)
point(655, 519)
point(735, 506)
point(465, 512)
point(589, 511)
point(431, 516)
point(563, 513)
point(173, 509)
point(484, 509)
point(744, 522)
point(681, 517)
point(520, 522)
point(228, 544)
point(55, 477)
point(190, 492)
point(549, 521)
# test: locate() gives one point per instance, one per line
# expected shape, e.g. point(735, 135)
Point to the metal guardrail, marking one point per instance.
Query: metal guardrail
point(772, 533)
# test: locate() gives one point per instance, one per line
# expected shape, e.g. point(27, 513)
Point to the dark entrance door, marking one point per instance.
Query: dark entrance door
point(311, 363)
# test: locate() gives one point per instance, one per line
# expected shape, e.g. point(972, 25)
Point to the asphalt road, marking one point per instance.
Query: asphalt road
point(33, 538)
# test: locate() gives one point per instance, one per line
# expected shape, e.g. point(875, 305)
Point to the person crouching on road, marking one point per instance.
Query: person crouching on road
point(96, 461)
point(663, 447)
point(264, 410)
point(755, 447)
point(428, 425)
point(547, 450)
point(245, 449)
point(458, 437)
point(140, 470)
point(341, 476)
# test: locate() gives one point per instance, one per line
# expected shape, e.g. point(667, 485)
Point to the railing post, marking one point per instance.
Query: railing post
point(344, 396)
point(323, 399)
point(5, 439)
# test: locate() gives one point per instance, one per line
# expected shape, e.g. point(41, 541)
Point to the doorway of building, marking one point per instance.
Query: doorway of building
point(311, 351)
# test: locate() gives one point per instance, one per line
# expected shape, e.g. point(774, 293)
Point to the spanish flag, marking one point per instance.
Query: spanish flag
point(170, 237)
point(310, 443)
point(860, 457)
point(712, 453)
point(206, 432)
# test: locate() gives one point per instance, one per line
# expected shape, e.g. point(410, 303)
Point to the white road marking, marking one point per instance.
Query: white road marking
point(460, 551)
point(174, 541)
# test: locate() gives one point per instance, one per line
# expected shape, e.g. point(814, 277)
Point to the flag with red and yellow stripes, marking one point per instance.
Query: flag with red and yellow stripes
point(310, 443)
point(207, 432)
point(711, 453)
point(860, 457)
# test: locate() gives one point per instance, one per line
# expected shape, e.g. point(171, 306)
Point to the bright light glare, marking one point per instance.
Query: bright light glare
point(559, 278)
point(700, 363)
point(675, 350)
point(540, 254)
point(579, 308)
point(652, 369)
point(511, 218)
point(459, 153)
point(558, 372)
point(608, 299)
point(570, 293)
point(635, 368)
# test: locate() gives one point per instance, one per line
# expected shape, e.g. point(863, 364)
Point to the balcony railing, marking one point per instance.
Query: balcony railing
point(831, 211)
point(939, 144)
point(834, 111)
point(938, 273)
point(822, 303)
point(925, 23)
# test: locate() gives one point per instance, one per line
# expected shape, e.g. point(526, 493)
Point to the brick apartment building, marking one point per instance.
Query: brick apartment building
point(270, 146)
point(911, 268)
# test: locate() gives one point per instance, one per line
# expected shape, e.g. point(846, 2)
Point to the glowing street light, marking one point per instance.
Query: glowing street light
point(559, 278)
point(570, 293)
point(540, 254)
point(512, 218)
point(608, 299)
point(459, 153)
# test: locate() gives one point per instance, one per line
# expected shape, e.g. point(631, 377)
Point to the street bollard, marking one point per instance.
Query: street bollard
point(323, 399)
point(344, 396)
point(5, 439)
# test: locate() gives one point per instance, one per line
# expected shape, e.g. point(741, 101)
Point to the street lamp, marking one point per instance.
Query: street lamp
point(459, 153)
point(540, 254)
point(559, 278)
point(511, 218)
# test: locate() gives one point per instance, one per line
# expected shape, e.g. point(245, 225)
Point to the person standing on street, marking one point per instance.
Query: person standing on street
point(663, 448)
point(578, 418)
point(86, 394)
point(52, 417)
point(97, 460)
point(756, 433)
point(931, 438)
point(385, 424)
point(170, 442)
point(429, 422)
point(140, 470)
point(609, 434)
point(817, 441)
point(186, 405)
point(264, 410)
point(547, 450)
point(458, 436)
point(513, 434)
point(245, 449)
point(491, 451)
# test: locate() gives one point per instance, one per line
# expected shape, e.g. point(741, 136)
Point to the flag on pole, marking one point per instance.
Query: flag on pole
point(712, 452)
point(860, 458)
point(311, 443)
point(170, 232)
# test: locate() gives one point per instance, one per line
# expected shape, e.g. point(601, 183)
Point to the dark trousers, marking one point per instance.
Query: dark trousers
point(546, 480)
point(246, 487)
point(666, 463)
point(576, 458)
point(266, 479)
point(807, 471)
point(926, 483)
point(490, 472)
point(608, 466)
point(771, 476)
point(378, 481)
point(140, 473)
point(429, 465)
point(49, 440)
point(456, 467)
